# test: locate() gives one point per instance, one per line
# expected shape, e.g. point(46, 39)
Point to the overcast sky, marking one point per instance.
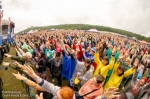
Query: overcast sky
point(131, 15)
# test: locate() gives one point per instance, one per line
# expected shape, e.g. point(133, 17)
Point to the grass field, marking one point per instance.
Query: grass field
point(12, 86)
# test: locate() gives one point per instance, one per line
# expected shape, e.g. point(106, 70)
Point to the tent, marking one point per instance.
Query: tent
point(143, 42)
point(93, 30)
point(31, 31)
point(52, 29)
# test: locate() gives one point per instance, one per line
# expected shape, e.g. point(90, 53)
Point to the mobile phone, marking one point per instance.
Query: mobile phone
point(116, 93)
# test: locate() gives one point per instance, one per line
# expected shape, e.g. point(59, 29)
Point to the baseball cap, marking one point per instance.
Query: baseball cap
point(93, 49)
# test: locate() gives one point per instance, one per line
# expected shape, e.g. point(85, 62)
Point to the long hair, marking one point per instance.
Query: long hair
point(42, 54)
point(66, 93)
point(107, 59)
point(52, 47)
point(123, 70)
point(88, 61)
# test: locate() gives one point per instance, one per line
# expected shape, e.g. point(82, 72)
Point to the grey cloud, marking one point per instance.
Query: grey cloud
point(130, 15)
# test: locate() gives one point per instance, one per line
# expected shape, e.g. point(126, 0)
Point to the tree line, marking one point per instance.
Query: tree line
point(87, 27)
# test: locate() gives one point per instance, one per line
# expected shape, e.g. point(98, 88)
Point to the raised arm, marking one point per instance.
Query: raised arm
point(116, 65)
point(96, 58)
point(134, 78)
point(87, 75)
point(111, 64)
point(129, 72)
point(63, 48)
point(146, 87)
point(19, 59)
point(18, 52)
point(28, 82)
point(47, 86)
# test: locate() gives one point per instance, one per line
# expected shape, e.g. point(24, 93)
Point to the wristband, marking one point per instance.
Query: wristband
point(102, 96)
point(37, 80)
point(41, 82)
point(25, 80)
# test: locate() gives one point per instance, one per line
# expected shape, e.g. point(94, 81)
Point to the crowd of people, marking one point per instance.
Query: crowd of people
point(95, 65)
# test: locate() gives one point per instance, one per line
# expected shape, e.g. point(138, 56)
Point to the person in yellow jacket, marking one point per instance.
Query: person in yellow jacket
point(118, 74)
point(103, 66)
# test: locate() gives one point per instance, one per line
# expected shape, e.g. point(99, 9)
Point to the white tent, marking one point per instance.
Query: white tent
point(93, 30)
point(31, 31)
point(52, 29)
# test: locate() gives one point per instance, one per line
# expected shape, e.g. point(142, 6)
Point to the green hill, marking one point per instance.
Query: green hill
point(87, 27)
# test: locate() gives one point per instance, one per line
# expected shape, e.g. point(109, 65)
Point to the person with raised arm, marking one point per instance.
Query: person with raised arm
point(58, 92)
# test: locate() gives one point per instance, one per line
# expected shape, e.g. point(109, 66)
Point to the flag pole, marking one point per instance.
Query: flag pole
point(8, 35)
point(1, 15)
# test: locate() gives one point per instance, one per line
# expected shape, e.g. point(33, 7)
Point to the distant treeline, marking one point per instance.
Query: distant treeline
point(87, 27)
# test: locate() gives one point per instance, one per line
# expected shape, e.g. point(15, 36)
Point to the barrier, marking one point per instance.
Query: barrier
point(1, 88)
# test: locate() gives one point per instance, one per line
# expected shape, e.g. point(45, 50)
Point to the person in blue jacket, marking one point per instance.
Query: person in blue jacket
point(69, 63)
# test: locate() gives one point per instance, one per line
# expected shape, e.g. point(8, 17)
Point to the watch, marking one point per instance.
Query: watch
point(24, 80)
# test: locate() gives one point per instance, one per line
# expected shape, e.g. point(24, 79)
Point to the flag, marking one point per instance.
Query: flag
point(9, 25)
point(1, 15)
point(9, 22)
point(0, 5)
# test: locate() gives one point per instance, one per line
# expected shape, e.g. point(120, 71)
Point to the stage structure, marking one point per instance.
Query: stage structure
point(6, 27)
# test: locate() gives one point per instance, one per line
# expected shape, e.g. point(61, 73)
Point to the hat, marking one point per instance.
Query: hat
point(27, 54)
point(93, 49)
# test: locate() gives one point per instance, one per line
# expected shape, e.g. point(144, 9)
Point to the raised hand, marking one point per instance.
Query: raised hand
point(114, 50)
point(19, 65)
point(29, 71)
point(7, 55)
point(109, 93)
point(16, 49)
point(135, 64)
point(39, 97)
point(120, 57)
point(19, 76)
point(54, 55)
point(6, 64)
point(135, 54)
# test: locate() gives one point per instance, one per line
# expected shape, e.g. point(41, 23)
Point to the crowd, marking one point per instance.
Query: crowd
point(95, 65)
